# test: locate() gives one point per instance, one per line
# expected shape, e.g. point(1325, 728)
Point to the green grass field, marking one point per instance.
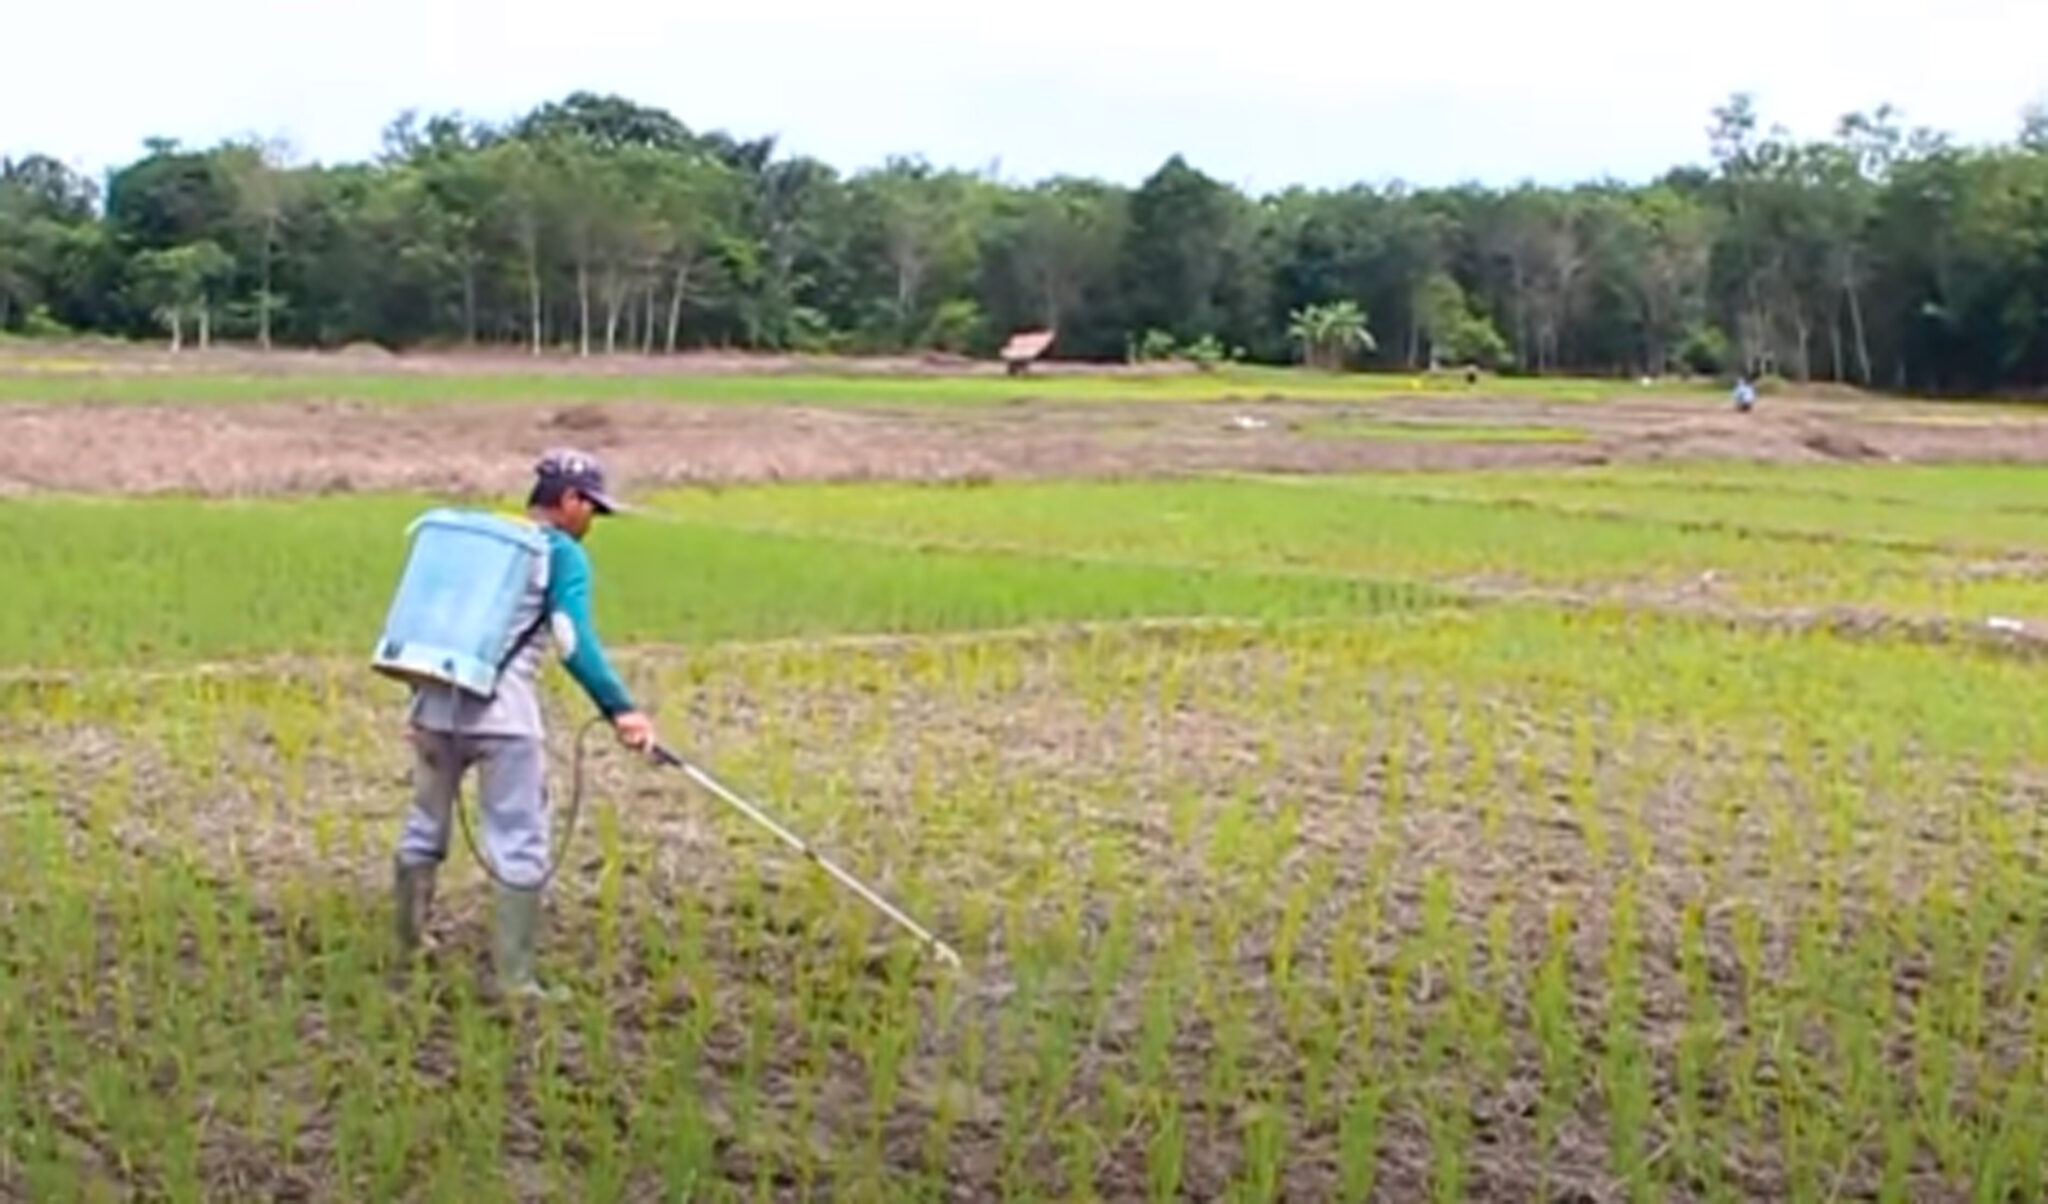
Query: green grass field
point(50, 380)
point(1288, 858)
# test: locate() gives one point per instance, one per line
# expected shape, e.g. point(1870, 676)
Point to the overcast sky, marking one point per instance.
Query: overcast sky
point(1259, 94)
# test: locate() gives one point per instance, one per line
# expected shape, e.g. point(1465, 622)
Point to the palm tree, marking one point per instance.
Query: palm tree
point(1329, 332)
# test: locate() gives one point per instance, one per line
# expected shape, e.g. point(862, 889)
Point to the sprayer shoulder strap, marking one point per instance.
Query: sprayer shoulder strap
point(540, 618)
point(525, 637)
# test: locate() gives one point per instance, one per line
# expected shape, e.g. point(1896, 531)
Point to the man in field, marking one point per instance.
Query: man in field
point(503, 738)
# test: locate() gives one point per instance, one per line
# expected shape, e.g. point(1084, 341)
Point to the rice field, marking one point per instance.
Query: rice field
point(1418, 836)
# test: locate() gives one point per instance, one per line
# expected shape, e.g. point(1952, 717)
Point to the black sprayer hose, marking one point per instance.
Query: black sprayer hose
point(575, 809)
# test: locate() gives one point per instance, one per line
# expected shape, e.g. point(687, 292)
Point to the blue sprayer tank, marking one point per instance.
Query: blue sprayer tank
point(451, 622)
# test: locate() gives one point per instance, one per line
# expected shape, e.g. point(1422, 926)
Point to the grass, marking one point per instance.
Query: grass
point(57, 381)
point(1370, 896)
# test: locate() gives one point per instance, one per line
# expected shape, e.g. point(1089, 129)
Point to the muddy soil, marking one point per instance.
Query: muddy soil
point(316, 447)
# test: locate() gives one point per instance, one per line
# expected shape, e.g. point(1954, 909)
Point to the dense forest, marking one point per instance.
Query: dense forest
point(1884, 255)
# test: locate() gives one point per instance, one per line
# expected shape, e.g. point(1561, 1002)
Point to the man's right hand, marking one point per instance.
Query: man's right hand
point(635, 730)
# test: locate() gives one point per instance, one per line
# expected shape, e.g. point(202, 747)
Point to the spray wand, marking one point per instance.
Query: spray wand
point(672, 760)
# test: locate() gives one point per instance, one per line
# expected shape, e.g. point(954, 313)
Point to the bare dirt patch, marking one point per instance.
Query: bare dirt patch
point(314, 447)
point(323, 447)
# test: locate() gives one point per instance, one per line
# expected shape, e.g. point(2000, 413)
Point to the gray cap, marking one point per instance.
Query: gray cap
point(580, 471)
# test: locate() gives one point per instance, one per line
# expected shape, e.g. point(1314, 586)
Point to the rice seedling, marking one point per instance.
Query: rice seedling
point(132, 582)
point(1368, 896)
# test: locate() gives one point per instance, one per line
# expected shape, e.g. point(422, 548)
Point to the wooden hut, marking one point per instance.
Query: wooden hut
point(1024, 347)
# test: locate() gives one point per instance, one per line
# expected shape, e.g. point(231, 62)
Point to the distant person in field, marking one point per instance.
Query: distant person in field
point(503, 738)
point(1745, 394)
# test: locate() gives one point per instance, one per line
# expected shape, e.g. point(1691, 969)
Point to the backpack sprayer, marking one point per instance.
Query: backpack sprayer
point(460, 618)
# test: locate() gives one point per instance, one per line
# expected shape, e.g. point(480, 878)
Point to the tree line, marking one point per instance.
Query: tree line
point(1882, 255)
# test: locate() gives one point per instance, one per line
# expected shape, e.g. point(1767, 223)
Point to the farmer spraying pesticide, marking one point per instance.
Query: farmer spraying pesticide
point(477, 593)
point(464, 631)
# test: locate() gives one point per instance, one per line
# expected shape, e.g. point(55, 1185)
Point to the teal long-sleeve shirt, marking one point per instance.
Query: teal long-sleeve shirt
point(568, 603)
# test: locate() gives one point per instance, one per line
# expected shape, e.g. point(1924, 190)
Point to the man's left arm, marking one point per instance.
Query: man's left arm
point(569, 588)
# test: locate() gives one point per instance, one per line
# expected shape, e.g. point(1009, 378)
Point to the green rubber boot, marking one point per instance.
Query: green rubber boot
point(412, 889)
point(518, 918)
